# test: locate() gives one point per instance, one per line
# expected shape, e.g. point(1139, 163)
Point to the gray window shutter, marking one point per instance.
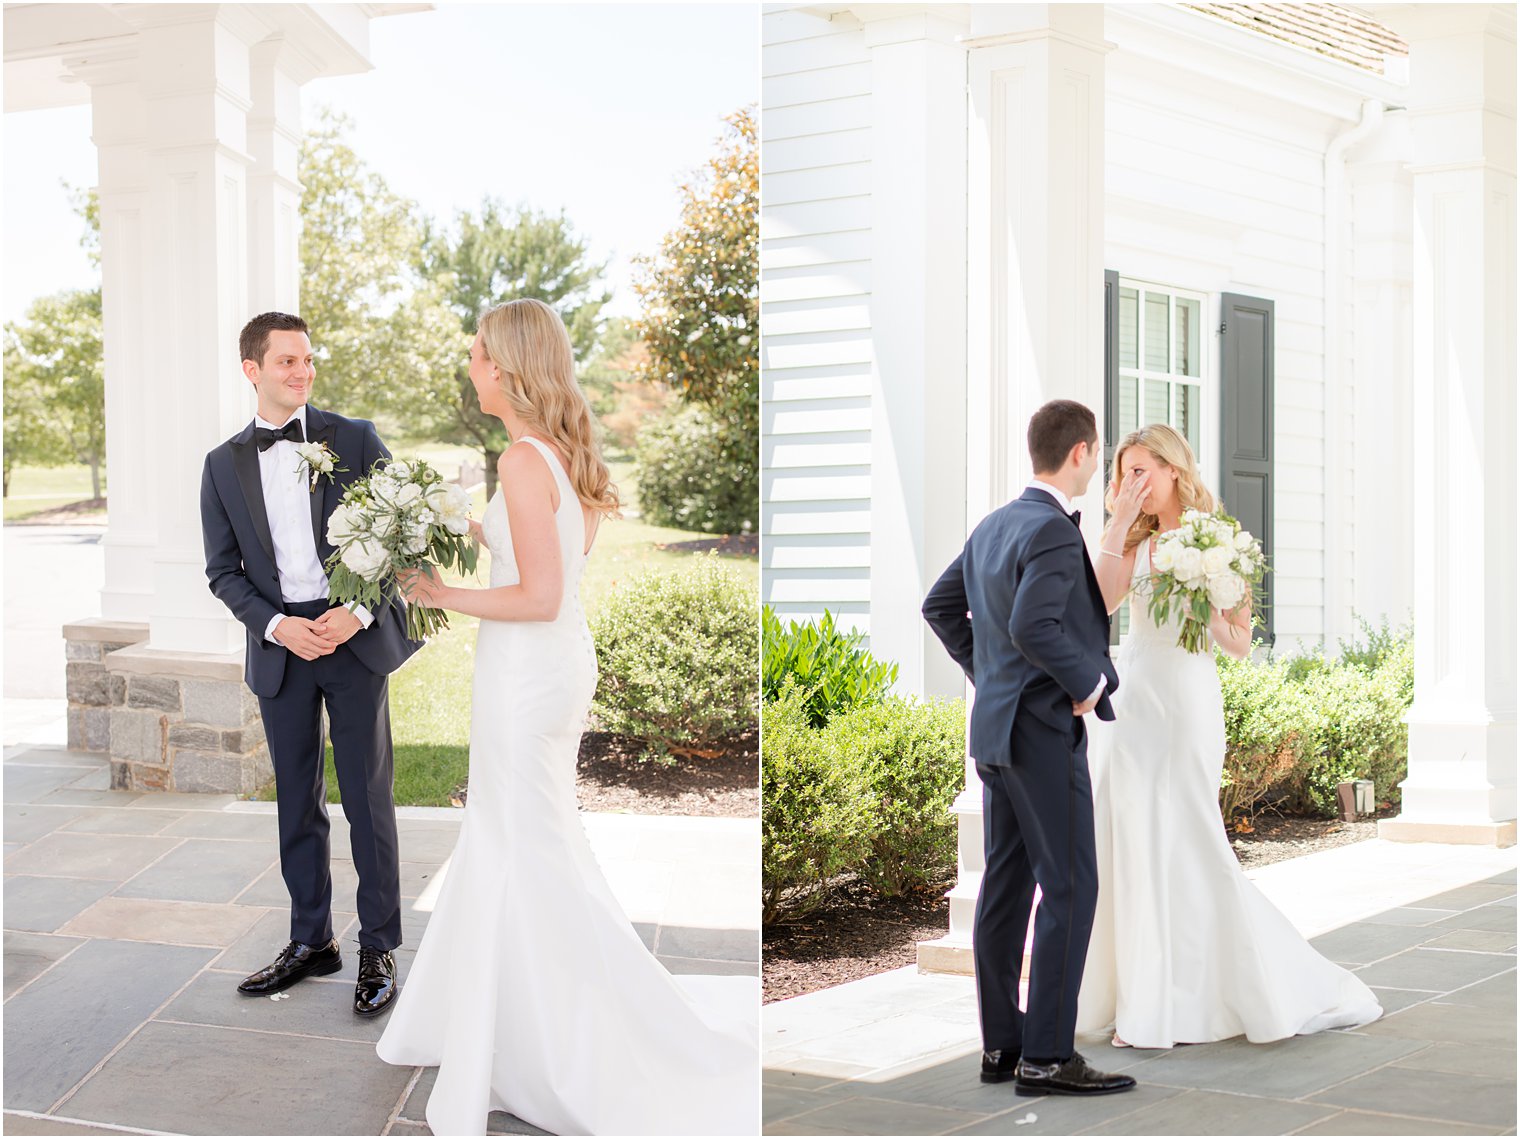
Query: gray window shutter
point(1111, 403)
point(1246, 385)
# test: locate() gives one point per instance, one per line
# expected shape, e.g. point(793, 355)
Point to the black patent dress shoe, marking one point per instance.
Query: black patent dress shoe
point(999, 1066)
point(1067, 1077)
point(295, 962)
point(377, 986)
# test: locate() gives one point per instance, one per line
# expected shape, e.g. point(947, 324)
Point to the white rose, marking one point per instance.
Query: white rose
point(1245, 564)
point(1226, 590)
point(342, 525)
point(1216, 560)
point(438, 497)
point(399, 472)
point(367, 558)
point(408, 495)
point(1166, 557)
point(1244, 541)
point(1224, 533)
point(455, 513)
point(1189, 567)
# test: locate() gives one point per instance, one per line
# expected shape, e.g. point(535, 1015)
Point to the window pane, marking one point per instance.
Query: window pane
point(1157, 402)
point(1187, 414)
point(1129, 404)
point(1156, 333)
point(1121, 619)
point(1187, 337)
point(1129, 328)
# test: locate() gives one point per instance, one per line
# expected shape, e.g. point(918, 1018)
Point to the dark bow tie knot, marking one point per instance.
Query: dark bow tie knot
point(267, 437)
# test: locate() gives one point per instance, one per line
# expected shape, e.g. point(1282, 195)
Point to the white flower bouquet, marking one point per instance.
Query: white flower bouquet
point(402, 516)
point(1208, 561)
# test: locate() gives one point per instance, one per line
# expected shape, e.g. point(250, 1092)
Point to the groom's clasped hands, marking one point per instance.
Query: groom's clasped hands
point(312, 639)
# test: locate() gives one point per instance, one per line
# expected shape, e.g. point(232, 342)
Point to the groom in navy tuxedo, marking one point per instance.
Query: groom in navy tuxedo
point(1021, 612)
point(264, 525)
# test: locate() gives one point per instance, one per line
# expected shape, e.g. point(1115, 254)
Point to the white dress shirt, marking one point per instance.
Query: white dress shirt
point(1065, 504)
point(287, 503)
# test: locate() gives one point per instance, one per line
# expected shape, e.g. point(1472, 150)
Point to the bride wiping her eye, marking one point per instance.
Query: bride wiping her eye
point(1184, 949)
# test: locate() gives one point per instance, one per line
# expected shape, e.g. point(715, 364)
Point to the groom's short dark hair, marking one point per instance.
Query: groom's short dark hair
point(1055, 429)
point(253, 341)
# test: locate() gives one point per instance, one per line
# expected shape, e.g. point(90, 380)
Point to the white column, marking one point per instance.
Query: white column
point(1034, 286)
point(1380, 524)
point(277, 73)
point(918, 320)
point(1461, 784)
point(119, 131)
point(196, 87)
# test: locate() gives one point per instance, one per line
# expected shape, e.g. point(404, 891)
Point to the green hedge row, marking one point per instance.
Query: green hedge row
point(867, 794)
point(1301, 725)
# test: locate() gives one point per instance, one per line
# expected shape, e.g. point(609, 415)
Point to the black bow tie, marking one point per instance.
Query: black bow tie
point(267, 437)
point(1076, 517)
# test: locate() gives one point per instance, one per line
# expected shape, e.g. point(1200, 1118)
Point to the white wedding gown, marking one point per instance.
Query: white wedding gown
point(531, 990)
point(1185, 949)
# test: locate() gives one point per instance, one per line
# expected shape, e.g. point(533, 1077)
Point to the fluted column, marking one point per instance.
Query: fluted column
point(1462, 739)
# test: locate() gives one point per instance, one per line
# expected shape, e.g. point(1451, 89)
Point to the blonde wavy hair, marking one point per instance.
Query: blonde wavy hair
point(528, 342)
point(1171, 450)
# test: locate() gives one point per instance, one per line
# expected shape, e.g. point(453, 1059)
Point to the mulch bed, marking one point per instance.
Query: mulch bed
point(729, 545)
point(857, 934)
point(611, 776)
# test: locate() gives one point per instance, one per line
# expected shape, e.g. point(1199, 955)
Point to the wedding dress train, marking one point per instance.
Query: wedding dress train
point(531, 990)
point(1185, 948)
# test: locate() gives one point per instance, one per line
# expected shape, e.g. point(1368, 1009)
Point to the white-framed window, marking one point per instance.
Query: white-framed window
point(1165, 373)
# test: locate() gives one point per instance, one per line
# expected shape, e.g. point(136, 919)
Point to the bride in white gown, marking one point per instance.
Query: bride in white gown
point(1184, 948)
point(531, 990)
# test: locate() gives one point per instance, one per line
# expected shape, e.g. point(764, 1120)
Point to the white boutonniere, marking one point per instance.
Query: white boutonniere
point(317, 459)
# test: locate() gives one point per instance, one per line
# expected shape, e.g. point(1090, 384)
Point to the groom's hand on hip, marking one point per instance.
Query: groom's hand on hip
point(338, 625)
point(307, 639)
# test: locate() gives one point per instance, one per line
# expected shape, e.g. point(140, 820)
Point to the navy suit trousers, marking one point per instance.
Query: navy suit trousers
point(1037, 829)
point(358, 713)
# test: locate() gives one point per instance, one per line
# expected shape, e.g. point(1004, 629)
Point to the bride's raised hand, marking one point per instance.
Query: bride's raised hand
point(1130, 502)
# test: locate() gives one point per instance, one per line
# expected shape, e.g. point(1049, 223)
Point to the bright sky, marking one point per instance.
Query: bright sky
point(596, 109)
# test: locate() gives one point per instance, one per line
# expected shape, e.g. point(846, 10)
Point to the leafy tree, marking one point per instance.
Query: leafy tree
point(55, 385)
point(700, 298)
point(378, 327)
point(497, 255)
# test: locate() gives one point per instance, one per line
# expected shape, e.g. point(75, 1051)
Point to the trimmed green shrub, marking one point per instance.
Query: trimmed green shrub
point(676, 652)
point(827, 663)
point(816, 814)
point(1303, 725)
point(698, 471)
point(914, 758)
point(1264, 724)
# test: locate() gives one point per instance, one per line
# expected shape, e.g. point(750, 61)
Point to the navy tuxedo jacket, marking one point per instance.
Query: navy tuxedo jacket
point(1021, 612)
point(240, 562)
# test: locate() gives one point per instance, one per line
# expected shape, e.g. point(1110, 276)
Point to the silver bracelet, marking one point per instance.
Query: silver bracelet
point(1111, 554)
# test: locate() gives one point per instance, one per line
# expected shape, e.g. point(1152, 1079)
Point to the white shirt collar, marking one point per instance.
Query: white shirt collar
point(300, 414)
point(1054, 493)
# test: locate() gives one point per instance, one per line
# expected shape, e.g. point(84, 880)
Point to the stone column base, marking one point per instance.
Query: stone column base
point(1466, 834)
point(171, 721)
point(92, 690)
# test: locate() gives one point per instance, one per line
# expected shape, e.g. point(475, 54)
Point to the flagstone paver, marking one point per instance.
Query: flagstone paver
point(1441, 1060)
point(130, 918)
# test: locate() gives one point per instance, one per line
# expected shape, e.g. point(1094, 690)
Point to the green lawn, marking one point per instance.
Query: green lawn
point(430, 695)
point(35, 489)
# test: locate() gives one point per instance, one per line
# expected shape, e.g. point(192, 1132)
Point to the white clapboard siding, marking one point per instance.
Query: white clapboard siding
point(815, 318)
point(1243, 186)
